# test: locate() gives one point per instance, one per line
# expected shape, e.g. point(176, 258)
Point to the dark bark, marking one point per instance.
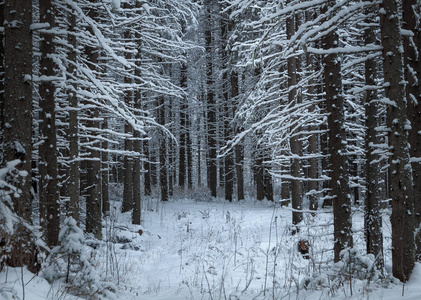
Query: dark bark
point(372, 215)
point(401, 190)
point(268, 183)
point(2, 81)
point(324, 145)
point(189, 153)
point(210, 104)
point(228, 164)
point(73, 187)
point(295, 143)
point(239, 162)
point(221, 161)
point(17, 97)
point(48, 189)
point(147, 168)
point(183, 131)
point(313, 171)
point(153, 167)
point(199, 160)
point(137, 143)
point(93, 164)
point(163, 166)
point(128, 143)
point(171, 168)
point(17, 127)
point(339, 166)
point(412, 46)
point(238, 149)
point(137, 200)
point(285, 190)
point(93, 189)
point(105, 175)
point(258, 177)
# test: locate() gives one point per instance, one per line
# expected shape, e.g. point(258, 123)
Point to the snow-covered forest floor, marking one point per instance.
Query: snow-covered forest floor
point(199, 249)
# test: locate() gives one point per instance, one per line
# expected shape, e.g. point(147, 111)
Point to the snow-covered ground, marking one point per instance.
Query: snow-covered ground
point(192, 249)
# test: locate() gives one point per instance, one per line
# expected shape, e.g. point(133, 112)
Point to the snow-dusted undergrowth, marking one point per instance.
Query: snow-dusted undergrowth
point(192, 249)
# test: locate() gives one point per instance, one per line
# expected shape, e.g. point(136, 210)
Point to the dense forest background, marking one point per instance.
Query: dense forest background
point(312, 104)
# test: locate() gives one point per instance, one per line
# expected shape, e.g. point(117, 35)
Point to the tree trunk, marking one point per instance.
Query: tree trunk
point(17, 127)
point(137, 143)
point(171, 168)
point(137, 148)
point(199, 155)
point(258, 176)
point(401, 190)
point(163, 166)
point(93, 164)
point(339, 176)
point(295, 143)
point(48, 190)
point(73, 188)
point(147, 168)
point(412, 46)
point(183, 131)
point(238, 149)
point(326, 169)
point(268, 183)
point(211, 109)
point(313, 172)
point(128, 144)
point(372, 215)
point(2, 121)
point(285, 190)
point(228, 163)
point(17, 105)
point(153, 167)
point(105, 174)
point(313, 189)
point(93, 175)
point(189, 153)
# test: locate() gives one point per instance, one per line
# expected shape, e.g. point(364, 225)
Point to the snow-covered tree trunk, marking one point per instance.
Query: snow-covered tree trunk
point(189, 150)
point(313, 149)
point(325, 163)
point(183, 130)
point(137, 143)
point(258, 173)
point(401, 190)
point(17, 127)
point(337, 146)
point(210, 102)
point(267, 178)
point(228, 171)
point(17, 105)
point(295, 142)
point(73, 186)
point(372, 214)
point(147, 168)
point(285, 189)
point(48, 189)
point(128, 144)
point(93, 163)
point(171, 152)
point(238, 149)
point(412, 60)
point(163, 164)
point(105, 173)
point(137, 148)
point(1, 81)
